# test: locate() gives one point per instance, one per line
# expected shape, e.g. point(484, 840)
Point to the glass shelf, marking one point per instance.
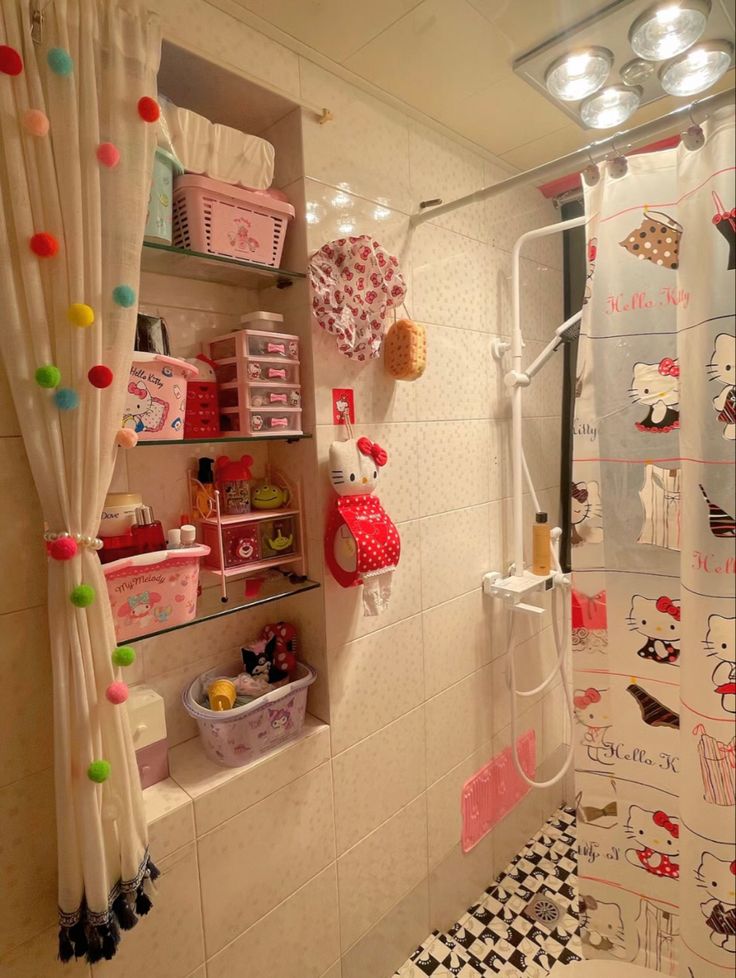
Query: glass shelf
point(166, 260)
point(273, 587)
point(223, 440)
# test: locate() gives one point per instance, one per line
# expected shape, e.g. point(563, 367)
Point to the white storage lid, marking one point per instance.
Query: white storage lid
point(261, 317)
point(146, 715)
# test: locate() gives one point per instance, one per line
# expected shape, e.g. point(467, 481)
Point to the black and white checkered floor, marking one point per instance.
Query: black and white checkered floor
point(495, 937)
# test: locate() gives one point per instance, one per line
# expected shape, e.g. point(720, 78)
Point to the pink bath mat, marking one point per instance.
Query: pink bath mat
point(495, 790)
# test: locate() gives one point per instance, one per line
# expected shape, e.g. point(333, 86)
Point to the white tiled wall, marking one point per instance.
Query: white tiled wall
point(335, 856)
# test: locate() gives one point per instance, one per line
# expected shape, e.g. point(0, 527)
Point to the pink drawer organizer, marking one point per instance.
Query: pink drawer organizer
point(258, 374)
point(219, 219)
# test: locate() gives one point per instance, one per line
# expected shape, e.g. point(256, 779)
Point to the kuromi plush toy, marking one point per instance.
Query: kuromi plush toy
point(362, 545)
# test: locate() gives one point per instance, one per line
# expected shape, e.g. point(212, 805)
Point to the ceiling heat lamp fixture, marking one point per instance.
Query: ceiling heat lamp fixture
point(697, 69)
point(629, 53)
point(668, 29)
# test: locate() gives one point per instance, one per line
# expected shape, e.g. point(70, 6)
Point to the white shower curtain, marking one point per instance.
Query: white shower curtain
point(653, 604)
point(68, 102)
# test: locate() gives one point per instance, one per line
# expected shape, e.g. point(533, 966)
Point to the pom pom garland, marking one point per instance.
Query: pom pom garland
point(80, 314)
point(11, 62)
point(126, 438)
point(123, 295)
point(148, 109)
point(66, 399)
point(99, 375)
point(99, 771)
point(123, 655)
point(82, 596)
point(48, 376)
point(117, 692)
point(44, 245)
point(36, 122)
point(108, 155)
point(63, 548)
point(60, 61)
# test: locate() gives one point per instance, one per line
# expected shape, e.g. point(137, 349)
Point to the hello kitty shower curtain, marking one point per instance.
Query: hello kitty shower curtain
point(654, 612)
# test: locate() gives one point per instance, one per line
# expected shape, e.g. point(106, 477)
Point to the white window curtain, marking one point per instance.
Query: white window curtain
point(75, 170)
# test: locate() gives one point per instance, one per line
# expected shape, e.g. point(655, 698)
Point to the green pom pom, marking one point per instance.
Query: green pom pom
point(98, 771)
point(60, 61)
point(82, 596)
point(48, 376)
point(124, 296)
point(123, 655)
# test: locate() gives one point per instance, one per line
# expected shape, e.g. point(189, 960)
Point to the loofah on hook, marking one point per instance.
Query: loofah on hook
point(99, 375)
point(126, 438)
point(36, 122)
point(11, 62)
point(405, 350)
point(44, 245)
point(48, 376)
point(63, 548)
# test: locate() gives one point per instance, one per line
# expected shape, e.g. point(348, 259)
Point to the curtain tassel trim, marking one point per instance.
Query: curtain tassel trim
point(94, 936)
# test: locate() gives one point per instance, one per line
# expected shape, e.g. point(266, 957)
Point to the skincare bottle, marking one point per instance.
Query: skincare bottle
point(173, 538)
point(188, 535)
point(148, 533)
point(541, 546)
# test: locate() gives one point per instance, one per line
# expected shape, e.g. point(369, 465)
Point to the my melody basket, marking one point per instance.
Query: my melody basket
point(220, 219)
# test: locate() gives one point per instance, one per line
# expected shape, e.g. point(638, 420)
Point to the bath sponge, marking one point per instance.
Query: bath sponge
point(405, 350)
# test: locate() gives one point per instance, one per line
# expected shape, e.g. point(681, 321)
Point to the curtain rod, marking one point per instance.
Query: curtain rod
point(620, 144)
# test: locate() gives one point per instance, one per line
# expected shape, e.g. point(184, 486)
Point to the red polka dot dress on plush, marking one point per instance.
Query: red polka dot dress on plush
point(378, 546)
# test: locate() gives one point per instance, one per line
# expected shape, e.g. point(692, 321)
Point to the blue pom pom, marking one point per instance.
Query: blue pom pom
point(66, 399)
point(60, 61)
point(124, 296)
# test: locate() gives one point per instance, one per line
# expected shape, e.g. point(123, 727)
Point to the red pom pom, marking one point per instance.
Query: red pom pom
point(99, 375)
point(117, 692)
point(108, 154)
point(148, 109)
point(64, 548)
point(11, 62)
point(44, 245)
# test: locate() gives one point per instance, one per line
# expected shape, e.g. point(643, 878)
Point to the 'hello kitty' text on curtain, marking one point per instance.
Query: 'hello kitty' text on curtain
point(653, 556)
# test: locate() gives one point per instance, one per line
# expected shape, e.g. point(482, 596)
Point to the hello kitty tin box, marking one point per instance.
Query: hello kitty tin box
point(155, 591)
point(241, 735)
point(156, 398)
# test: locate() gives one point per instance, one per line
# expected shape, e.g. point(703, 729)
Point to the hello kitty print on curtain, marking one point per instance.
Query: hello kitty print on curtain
point(654, 614)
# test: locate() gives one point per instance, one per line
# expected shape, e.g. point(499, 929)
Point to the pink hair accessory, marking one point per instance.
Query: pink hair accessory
point(276, 348)
point(279, 374)
point(668, 367)
point(668, 607)
point(591, 695)
point(665, 822)
point(138, 389)
point(277, 398)
point(279, 422)
point(378, 454)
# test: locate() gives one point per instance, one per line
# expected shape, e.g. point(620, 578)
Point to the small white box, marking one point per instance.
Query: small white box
point(146, 715)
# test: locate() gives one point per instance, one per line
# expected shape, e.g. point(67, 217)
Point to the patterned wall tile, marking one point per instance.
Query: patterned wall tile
point(457, 640)
point(455, 464)
point(455, 553)
point(459, 720)
point(170, 816)
point(455, 384)
point(381, 950)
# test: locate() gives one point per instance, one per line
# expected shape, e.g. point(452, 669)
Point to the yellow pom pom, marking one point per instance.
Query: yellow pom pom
point(80, 314)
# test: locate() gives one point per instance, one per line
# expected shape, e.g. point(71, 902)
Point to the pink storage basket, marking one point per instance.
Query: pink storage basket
point(239, 736)
point(151, 592)
point(157, 394)
point(220, 219)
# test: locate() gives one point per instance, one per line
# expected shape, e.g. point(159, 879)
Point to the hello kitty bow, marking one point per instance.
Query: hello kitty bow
point(669, 367)
point(663, 820)
point(591, 695)
point(668, 607)
point(138, 389)
point(368, 447)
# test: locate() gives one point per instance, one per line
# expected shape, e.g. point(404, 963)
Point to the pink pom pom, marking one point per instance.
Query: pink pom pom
point(108, 154)
point(64, 548)
point(117, 692)
point(36, 122)
point(126, 438)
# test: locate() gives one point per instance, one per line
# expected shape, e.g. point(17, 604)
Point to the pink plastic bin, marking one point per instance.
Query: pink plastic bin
point(239, 736)
point(220, 219)
point(157, 394)
point(150, 592)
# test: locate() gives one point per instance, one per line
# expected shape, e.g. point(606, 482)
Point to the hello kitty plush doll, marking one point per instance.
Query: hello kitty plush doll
point(362, 545)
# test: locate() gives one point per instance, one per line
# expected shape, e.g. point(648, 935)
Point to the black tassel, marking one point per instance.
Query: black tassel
point(142, 902)
point(153, 871)
point(108, 943)
point(124, 912)
point(94, 949)
point(66, 948)
point(79, 939)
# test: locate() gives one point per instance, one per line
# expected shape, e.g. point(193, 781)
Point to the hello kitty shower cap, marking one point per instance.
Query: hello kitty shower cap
point(355, 282)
